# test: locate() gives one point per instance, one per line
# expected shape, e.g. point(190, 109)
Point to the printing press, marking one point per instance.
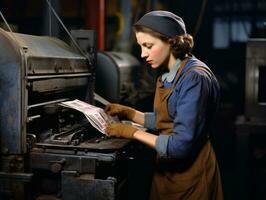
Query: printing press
point(49, 151)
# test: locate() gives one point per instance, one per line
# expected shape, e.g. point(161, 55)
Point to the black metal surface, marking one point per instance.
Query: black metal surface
point(87, 187)
point(250, 159)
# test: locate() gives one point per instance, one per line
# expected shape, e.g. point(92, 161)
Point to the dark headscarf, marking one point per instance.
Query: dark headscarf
point(164, 22)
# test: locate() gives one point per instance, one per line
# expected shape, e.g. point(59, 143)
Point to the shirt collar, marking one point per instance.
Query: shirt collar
point(169, 76)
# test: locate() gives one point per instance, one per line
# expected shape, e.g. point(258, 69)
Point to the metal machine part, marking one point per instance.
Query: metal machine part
point(250, 128)
point(45, 148)
point(255, 108)
point(120, 78)
point(115, 71)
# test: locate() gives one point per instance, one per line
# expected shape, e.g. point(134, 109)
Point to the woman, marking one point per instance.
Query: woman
point(186, 99)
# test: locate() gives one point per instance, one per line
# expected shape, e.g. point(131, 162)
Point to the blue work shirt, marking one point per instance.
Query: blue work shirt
point(191, 106)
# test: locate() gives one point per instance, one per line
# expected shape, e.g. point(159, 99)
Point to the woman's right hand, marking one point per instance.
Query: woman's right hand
point(123, 112)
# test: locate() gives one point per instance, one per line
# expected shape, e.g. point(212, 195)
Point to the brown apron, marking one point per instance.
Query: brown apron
point(193, 178)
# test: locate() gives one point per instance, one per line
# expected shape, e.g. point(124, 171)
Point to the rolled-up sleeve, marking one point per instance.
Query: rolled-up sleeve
point(149, 120)
point(161, 145)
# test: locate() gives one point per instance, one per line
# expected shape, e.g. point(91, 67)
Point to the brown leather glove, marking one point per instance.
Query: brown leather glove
point(121, 130)
point(121, 111)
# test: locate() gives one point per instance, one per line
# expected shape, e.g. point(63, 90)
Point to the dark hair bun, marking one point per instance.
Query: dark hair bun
point(181, 45)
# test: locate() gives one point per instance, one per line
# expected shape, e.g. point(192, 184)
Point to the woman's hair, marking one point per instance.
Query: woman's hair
point(181, 45)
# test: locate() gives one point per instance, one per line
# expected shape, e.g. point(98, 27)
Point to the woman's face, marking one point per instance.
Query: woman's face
point(155, 51)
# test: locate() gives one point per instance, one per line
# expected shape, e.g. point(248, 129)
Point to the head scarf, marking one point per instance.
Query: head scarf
point(164, 22)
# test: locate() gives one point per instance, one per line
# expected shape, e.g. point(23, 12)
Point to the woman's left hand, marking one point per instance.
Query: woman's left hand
point(121, 130)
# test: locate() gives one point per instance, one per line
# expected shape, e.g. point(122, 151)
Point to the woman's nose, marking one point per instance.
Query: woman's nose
point(144, 54)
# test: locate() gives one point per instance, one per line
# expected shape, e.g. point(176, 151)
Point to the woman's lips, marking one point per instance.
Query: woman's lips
point(149, 62)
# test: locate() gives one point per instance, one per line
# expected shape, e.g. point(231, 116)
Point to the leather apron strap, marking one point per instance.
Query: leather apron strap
point(164, 123)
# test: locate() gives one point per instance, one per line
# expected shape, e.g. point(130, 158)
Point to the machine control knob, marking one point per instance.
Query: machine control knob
point(56, 166)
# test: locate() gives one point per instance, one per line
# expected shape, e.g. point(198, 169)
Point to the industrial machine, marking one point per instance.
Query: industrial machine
point(49, 151)
point(251, 128)
point(122, 69)
point(126, 81)
point(255, 108)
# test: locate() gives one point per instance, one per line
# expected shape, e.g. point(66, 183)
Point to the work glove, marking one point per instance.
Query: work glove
point(123, 112)
point(121, 130)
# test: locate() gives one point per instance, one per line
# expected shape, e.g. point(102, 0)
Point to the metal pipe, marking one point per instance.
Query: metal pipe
point(47, 103)
point(95, 19)
point(58, 76)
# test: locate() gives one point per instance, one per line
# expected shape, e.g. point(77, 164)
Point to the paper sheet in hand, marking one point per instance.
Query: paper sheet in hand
point(95, 115)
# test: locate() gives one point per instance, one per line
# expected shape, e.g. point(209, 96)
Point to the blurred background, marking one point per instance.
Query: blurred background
point(221, 30)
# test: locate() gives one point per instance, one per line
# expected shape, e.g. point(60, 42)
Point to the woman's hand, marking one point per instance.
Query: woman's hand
point(121, 130)
point(121, 111)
